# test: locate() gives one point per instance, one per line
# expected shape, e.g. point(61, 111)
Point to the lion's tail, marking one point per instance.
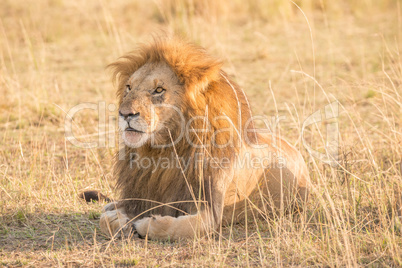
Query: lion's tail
point(90, 196)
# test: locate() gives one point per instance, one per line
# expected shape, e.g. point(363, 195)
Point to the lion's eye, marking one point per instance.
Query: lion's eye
point(158, 90)
point(128, 88)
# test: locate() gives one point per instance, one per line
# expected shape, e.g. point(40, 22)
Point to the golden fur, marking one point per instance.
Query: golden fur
point(196, 199)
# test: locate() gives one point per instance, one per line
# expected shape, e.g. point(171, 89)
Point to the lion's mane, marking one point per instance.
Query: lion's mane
point(209, 92)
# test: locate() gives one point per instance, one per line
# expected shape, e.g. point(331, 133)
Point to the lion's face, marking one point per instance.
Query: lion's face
point(147, 107)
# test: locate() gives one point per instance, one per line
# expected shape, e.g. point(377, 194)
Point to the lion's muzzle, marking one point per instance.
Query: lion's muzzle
point(134, 129)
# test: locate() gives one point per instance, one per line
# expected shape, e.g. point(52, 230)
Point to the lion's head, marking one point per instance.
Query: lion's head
point(166, 87)
point(147, 102)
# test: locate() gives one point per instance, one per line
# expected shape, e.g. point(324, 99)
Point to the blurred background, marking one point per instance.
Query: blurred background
point(291, 59)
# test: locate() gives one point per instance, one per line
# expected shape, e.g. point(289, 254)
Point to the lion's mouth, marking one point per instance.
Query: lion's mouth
point(133, 130)
point(134, 137)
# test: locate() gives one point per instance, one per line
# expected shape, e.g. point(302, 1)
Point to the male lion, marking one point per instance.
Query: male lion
point(192, 158)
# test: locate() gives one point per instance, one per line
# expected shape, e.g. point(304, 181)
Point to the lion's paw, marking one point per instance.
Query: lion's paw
point(155, 227)
point(115, 223)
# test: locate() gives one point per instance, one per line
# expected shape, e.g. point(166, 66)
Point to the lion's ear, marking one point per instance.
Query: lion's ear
point(202, 76)
point(198, 80)
point(192, 65)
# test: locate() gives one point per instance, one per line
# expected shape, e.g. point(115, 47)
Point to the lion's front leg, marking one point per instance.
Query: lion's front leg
point(114, 221)
point(167, 227)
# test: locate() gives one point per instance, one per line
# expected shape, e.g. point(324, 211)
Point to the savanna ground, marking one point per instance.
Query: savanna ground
point(290, 63)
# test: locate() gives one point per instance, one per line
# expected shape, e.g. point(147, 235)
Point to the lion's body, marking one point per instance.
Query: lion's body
point(207, 175)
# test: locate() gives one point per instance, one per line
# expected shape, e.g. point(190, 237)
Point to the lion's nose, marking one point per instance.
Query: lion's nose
point(128, 116)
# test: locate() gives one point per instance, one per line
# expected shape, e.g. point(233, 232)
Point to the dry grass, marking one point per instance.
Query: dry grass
point(52, 57)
